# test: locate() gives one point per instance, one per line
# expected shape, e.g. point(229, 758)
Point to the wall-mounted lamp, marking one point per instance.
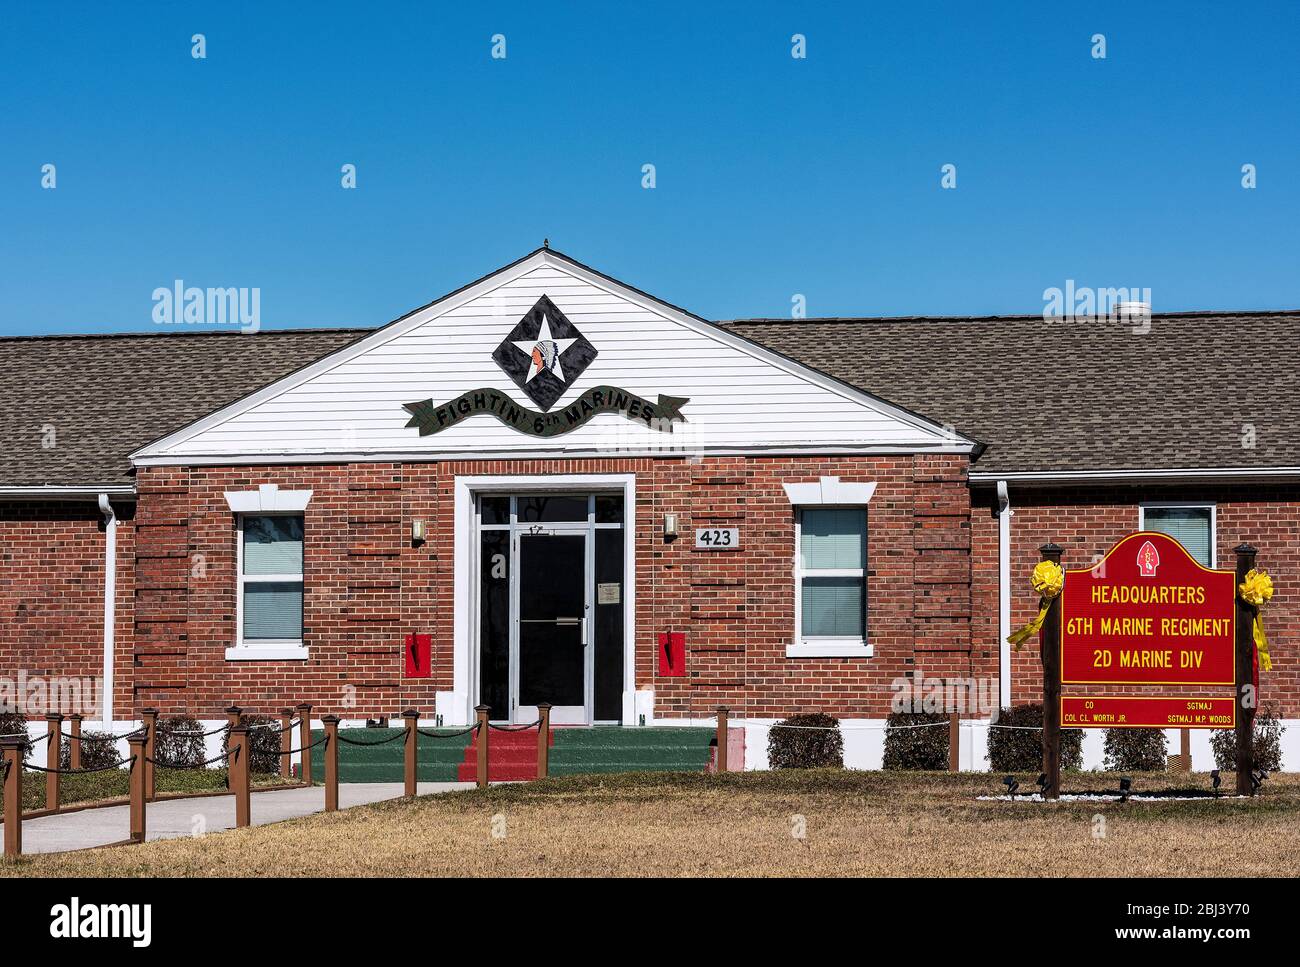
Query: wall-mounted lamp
point(417, 532)
point(670, 526)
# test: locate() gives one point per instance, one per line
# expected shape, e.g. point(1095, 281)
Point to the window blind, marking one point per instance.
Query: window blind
point(273, 609)
point(833, 539)
point(832, 607)
point(272, 545)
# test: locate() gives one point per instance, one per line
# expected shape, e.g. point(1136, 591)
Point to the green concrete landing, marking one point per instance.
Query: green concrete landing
point(615, 749)
point(437, 760)
point(574, 751)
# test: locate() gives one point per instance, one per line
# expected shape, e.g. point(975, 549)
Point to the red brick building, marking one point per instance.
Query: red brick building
point(549, 486)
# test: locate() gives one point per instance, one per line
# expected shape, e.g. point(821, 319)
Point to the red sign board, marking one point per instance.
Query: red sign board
point(1148, 614)
point(1140, 712)
point(419, 656)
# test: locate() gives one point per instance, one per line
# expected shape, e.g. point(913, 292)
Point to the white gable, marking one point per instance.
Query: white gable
point(741, 396)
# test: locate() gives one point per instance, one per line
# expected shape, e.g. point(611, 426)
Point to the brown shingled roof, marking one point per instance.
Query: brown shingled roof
point(106, 396)
point(1086, 395)
point(1076, 395)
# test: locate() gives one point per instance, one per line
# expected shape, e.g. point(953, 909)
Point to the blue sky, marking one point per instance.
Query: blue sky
point(774, 175)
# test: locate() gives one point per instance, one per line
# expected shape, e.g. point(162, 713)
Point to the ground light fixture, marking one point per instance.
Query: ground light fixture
point(1215, 781)
point(1012, 785)
point(1041, 783)
point(1257, 779)
point(1125, 787)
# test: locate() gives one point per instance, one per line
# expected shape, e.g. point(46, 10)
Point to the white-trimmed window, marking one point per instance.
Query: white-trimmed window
point(269, 605)
point(1192, 525)
point(830, 582)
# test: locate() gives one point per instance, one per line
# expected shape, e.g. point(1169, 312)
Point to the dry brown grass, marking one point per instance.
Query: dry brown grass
point(858, 824)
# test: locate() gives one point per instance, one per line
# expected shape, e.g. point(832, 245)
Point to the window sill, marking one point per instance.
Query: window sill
point(829, 649)
point(260, 653)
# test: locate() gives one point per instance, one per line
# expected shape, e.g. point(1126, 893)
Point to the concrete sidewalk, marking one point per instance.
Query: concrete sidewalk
point(171, 818)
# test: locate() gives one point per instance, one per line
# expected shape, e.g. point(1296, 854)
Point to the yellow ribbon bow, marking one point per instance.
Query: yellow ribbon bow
point(1256, 591)
point(1047, 580)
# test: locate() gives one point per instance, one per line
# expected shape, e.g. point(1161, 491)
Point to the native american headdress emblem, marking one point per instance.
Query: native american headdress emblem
point(544, 353)
point(1148, 560)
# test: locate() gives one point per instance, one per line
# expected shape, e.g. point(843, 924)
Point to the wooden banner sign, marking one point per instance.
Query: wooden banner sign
point(1148, 614)
point(1148, 712)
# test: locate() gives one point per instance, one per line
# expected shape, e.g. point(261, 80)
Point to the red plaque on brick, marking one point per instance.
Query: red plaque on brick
point(419, 656)
point(1141, 712)
point(1148, 613)
point(672, 654)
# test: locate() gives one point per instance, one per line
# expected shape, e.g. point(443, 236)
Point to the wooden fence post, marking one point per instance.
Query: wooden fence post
point(412, 761)
point(1051, 655)
point(150, 719)
point(74, 741)
point(53, 755)
point(483, 730)
point(331, 723)
point(136, 743)
point(286, 742)
point(721, 740)
point(233, 714)
point(304, 742)
point(1245, 676)
point(544, 740)
point(238, 773)
point(954, 742)
point(11, 749)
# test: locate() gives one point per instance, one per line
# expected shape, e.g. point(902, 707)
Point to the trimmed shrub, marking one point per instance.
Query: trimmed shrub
point(1021, 749)
point(916, 748)
point(264, 744)
point(1267, 743)
point(98, 750)
point(816, 743)
point(1136, 750)
point(15, 723)
point(179, 744)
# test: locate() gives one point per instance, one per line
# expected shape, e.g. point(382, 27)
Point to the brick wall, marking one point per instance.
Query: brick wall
point(368, 585)
point(1087, 521)
point(52, 592)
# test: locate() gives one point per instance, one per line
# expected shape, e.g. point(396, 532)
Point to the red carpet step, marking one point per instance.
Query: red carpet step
point(511, 756)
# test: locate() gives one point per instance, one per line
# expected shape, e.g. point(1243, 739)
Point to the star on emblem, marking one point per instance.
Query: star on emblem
point(544, 353)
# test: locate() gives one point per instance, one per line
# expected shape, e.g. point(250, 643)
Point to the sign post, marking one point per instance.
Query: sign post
point(1051, 646)
point(1246, 699)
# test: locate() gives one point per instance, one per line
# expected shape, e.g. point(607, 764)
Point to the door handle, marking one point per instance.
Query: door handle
point(567, 622)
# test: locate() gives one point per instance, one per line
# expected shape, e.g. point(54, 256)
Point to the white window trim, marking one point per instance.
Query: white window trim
point(1187, 505)
point(265, 649)
point(825, 646)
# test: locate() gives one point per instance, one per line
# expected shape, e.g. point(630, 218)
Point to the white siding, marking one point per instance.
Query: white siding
point(738, 398)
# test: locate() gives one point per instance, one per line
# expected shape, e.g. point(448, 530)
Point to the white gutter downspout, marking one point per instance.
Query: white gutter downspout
point(1004, 594)
point(110, 597)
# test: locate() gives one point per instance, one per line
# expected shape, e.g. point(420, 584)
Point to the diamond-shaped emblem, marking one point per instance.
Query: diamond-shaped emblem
point(544, 353)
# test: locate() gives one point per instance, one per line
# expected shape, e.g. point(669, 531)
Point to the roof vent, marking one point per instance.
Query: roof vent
point(1133, 311)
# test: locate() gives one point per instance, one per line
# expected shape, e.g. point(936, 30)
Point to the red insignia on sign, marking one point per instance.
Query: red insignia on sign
point(1148, 560)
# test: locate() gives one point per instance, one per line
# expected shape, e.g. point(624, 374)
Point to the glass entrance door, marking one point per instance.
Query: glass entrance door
point(553, 650)
point(548, 608)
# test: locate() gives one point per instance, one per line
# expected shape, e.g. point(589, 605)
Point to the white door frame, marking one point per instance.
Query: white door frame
point(457, 707)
